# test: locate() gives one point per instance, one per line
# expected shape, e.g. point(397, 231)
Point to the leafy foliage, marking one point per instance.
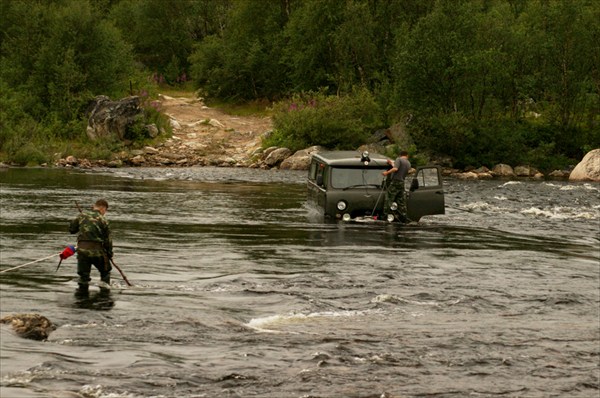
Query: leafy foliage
point(163, 34)
point(242, 63)
point(55, 56)
point(515, 81)
point(342, 122)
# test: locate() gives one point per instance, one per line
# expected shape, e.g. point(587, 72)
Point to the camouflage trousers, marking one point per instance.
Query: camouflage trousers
point(85, 260)
point(396, 193)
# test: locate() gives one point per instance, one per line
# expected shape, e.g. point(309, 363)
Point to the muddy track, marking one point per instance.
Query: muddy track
point(210, 132)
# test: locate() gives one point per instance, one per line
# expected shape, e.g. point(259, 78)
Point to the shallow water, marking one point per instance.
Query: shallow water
point(240, 291)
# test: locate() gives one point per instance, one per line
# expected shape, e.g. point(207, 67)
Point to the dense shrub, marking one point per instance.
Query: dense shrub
point(488, 143)
point(314, 118)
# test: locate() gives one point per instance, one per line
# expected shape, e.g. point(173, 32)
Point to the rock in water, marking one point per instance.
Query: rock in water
point(30, 326)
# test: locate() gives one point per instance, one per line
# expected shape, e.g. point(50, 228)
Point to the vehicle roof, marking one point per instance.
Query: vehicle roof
point(349, 158)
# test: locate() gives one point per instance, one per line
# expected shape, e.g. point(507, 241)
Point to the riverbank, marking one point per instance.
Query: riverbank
point(207, 136)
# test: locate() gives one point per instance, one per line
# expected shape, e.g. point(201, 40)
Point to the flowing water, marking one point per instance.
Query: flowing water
point(240, 292)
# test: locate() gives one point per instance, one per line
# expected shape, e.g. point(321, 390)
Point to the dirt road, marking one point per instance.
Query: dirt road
point(211, 133)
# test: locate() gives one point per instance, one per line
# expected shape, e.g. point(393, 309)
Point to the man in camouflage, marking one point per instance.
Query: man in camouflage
point(396, 192)
point(94, 244)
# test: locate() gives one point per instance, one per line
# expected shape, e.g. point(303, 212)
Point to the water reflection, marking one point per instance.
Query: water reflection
point(98, 301)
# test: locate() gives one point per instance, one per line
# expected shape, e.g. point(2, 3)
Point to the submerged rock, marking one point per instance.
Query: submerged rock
point(30, 326)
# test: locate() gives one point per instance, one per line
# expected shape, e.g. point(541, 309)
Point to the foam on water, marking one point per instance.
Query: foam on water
point(263, 323)
point(483, 206)
point(561, 213)
point(509, 183)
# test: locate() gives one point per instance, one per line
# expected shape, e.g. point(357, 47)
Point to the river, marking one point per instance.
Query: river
point(240, 292)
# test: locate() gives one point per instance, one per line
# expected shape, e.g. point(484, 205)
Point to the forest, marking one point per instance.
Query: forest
point(477, 81)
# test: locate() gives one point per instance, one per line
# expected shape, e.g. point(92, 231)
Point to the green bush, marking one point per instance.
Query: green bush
point(444, 135)
point(152, 115)
point(487, 143)
point(30, 155)
point(335, 122)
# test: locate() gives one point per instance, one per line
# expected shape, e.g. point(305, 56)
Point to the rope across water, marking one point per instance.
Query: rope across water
point(29, 263)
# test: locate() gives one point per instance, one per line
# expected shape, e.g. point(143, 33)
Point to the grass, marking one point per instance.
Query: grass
point(260, 108)
point(185, 91)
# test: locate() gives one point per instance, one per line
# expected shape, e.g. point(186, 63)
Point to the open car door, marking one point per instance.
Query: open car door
point(426, 195)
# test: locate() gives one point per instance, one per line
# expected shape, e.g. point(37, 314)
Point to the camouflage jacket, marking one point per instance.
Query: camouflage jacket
point(92, 226)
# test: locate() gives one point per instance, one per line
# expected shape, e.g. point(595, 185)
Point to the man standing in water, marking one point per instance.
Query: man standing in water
point(396, 192)
point(94, 245)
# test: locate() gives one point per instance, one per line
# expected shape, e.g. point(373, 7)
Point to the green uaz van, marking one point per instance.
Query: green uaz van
point(349, 186)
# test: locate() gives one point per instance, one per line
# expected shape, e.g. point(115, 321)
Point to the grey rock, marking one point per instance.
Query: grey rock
point(111, 119)
point(275, 157)
point(152, 130)
point(503, 170)
point(301, 159)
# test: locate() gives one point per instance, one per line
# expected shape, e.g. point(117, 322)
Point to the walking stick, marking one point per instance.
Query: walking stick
point(121, 272)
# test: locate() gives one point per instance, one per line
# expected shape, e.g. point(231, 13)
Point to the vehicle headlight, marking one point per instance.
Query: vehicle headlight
point(341, 205)
point(394, 206)
point(390, 217)
point(346, 217)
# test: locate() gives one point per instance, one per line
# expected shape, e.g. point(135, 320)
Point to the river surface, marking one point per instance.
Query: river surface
point(239, 291)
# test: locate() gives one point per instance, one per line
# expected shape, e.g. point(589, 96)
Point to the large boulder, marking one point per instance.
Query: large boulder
point(399, 135)
point(112, 119)
point(276, 156)
point(588, 169)
point(301, 159)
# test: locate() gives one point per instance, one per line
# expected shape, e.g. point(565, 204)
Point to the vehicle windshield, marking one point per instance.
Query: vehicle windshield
point(355, 177)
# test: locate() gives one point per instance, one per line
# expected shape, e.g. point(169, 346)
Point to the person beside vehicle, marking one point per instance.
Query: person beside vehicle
point(94, 245)
point(395, 191)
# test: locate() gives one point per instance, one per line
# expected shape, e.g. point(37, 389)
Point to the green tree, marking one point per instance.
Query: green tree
point(163, 33)
point(244, 62)
point(55, 57)
point(310, 44)
point(558, 46)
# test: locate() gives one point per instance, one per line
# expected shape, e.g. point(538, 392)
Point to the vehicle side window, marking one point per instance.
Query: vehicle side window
point(312, 173)
point(428, 178)
point(321, 176)
point(324, 171)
